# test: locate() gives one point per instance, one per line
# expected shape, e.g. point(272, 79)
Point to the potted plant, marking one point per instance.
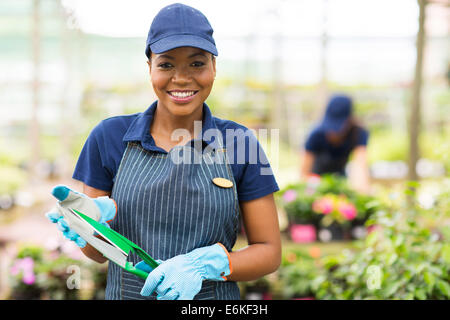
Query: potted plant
point(36, 273)
point(296, 200)
point(338, 212)
point(303, 221)
point(296, 274)
point(325, 208)
point(399, 260)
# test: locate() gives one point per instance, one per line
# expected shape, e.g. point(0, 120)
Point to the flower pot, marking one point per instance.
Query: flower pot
point(303, 233)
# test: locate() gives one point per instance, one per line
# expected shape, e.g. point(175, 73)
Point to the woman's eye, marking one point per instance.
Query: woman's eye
point(198, 64)
point(164, 65)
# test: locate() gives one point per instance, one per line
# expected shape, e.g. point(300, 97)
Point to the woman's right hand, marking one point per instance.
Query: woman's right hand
point(102, 209)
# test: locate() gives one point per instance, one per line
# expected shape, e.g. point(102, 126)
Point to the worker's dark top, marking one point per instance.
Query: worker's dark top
point(101, 155)
point(329, 158)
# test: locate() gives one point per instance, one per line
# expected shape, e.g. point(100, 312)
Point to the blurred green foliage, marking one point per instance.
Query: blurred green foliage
point(400, 259)
point(297, 274)
point(392, 145)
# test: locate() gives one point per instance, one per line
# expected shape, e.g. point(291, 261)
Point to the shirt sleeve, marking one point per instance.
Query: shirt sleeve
point(363, 137)
point(256, 177)
point(92, 167)
point(314, 142)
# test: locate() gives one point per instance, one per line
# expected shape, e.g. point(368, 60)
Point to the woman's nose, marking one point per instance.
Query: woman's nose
point(181, 76)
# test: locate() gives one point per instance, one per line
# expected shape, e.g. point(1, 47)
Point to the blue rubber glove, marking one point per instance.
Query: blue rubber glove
point(181, 277)
point(102, 209)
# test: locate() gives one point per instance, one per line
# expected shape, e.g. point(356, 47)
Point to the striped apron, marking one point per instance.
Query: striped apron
point(169, 208)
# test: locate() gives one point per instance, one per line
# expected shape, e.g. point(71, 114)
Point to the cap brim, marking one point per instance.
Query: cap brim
point(184, 40)
point(335, 124)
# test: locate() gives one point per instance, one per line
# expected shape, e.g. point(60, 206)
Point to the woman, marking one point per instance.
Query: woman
point(331, 143)
point(182, 211)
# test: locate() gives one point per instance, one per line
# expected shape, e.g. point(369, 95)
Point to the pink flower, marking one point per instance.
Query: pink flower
point(289, 196)
point(323, 205)
point(347, 209)
point(26, 265)
point(28, 278)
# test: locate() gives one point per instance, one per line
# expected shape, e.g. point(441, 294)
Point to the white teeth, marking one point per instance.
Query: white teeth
point(182, 94)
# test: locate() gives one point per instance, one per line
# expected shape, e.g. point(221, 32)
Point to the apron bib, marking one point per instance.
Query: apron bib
point(170, 208)
point(324, 163)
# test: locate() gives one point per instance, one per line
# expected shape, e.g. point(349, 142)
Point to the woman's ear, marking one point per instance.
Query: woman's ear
point(149, 62)
point(214, 65)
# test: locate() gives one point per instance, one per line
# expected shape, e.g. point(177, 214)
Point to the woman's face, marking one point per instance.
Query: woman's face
point(182, 79)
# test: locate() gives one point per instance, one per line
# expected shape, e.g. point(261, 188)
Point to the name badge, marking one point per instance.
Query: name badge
point(222, 182)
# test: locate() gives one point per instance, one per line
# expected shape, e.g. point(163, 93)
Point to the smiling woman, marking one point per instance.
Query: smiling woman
point(186, 215)
point(182, 79)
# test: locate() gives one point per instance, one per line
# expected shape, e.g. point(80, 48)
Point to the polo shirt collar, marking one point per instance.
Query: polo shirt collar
point(139, 128)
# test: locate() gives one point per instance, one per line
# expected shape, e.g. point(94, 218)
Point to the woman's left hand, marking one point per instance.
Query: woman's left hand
point(181, 277)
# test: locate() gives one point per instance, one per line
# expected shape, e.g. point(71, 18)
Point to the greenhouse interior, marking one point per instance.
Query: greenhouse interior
point(376, 228)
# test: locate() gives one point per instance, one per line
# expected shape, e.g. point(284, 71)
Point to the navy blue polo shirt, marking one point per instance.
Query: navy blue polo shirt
point(330, 158)
point(101, 154)
point(317, 142)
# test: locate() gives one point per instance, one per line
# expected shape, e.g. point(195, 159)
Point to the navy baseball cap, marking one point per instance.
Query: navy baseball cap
point(178, 25)
point(338, 110)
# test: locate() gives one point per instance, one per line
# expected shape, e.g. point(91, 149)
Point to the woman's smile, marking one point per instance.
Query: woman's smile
point(182, 96)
